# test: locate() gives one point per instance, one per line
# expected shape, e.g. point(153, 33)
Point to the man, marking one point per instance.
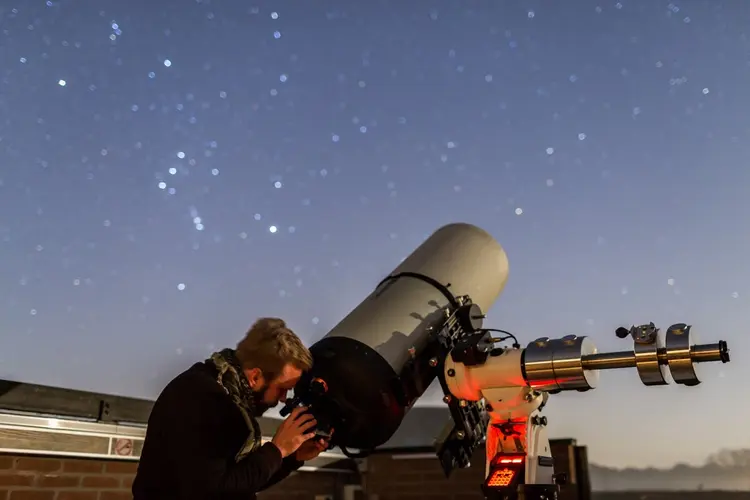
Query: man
point(203, 441)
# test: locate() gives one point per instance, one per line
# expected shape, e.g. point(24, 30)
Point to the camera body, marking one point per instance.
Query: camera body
point(312, 399)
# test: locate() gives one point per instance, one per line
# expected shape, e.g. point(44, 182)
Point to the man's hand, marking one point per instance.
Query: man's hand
point(294, 431)
point(311, 449)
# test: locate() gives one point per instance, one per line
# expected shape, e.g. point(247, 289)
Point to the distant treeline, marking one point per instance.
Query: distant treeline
point(671, 495)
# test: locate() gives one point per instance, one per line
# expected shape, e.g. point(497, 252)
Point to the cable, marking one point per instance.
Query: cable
point(507, 334)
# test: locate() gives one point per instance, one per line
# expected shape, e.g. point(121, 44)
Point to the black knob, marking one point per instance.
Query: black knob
point(622, 332)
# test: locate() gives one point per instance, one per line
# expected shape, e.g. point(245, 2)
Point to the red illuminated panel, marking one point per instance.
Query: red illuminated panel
point(501, 477)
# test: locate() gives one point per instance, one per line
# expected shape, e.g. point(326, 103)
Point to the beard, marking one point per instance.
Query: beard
point(259, 403)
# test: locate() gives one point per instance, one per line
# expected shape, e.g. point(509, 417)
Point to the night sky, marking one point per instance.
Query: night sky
point(172, 170)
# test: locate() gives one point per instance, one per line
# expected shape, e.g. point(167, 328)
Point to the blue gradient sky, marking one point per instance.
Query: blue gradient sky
point(620, 130)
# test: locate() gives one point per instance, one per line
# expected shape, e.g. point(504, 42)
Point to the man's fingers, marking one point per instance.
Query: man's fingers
point(309, 436)
point(303, 417)
point(306, 426)
point(297, 411)
point(303, 421)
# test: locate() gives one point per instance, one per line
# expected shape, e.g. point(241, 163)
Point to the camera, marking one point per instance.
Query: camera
point(313, 398)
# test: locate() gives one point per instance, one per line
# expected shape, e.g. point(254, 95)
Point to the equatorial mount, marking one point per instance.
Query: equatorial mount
point(550, 366)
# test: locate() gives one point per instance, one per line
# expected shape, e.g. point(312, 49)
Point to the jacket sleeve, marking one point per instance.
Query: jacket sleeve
point(198, 454)
point(289, 465)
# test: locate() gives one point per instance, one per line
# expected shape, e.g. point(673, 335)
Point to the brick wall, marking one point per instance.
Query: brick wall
point(34, 478)
point(31, 478)
point(303, 486)
point(385, 478)
point(421, 478)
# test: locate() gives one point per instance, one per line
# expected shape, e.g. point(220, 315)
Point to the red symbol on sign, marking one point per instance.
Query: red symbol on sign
point(124, 447)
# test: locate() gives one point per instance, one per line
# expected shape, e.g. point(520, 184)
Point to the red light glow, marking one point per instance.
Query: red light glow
point(501, 478)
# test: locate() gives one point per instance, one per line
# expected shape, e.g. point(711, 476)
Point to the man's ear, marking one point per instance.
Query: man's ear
point(254, 377)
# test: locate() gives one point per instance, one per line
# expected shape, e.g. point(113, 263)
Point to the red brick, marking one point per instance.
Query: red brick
point(121, 467)
point(31, 495)
point(127, 482)
point(6, 463)
point(100, 482)
point(38, 464)
point(83, 466)
point(77, 495)
point(115, 495)
point(16, 480)
point(57, 481)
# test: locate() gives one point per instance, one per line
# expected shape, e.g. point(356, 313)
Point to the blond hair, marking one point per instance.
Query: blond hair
point(270, 345)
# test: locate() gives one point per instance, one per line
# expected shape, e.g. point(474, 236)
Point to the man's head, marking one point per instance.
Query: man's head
point(273, 357)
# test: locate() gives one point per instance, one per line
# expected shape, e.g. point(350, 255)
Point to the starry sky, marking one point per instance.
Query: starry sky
point(169, 171)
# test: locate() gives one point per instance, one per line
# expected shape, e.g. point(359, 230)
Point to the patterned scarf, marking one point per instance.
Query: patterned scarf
point(234, 382)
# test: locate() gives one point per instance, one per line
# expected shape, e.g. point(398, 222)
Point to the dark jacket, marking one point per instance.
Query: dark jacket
point(193, 435)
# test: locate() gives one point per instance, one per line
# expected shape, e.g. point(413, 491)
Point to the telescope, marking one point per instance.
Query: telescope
point(425, 321)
